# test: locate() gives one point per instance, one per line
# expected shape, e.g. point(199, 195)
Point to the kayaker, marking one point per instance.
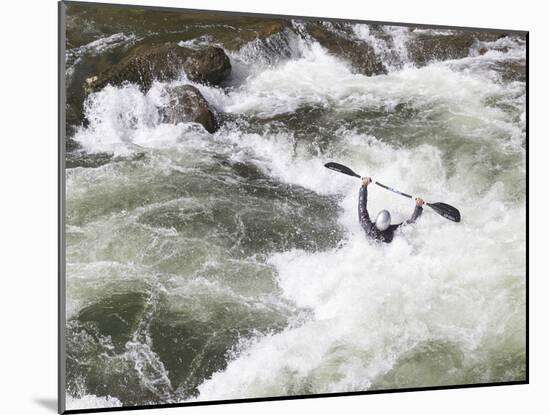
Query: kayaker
point(381, 229)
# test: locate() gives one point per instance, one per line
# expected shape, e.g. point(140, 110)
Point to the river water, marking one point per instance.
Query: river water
point(232, 265)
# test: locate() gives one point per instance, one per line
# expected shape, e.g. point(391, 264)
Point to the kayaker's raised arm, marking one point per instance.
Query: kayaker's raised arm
point(364, 217)
point(417, 210)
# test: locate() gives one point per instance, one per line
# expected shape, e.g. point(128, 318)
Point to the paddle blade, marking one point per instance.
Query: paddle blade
point(341, 168)
point(445, 210)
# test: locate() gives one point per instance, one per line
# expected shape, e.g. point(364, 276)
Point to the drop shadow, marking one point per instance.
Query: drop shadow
point(48, 403)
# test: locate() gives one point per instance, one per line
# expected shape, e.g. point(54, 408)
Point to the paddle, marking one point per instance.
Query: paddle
point(443, 209)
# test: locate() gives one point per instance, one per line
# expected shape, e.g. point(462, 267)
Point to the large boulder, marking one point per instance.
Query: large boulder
point(339, 42)
point(188, 105)
point(145, 64)
point(209, 66)
point(427, 47)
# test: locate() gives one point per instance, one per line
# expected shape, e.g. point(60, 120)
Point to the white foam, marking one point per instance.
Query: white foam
point(198, 42)
point(91, 401)
point(124, 119)
point(323, 80)
point(392, 50)
point(372, 303)
point(120, 117)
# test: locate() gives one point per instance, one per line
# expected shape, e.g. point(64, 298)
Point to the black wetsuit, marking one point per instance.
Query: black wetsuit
point(370, 229)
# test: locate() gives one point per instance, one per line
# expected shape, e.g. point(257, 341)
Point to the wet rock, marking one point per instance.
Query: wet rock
point(187, 104)
point(80, 158)
point(146, 63)
point(340, 43)
point(209, 65)
point(428, 47)
point(513, 71)
point(483, 51)
point(269, 28)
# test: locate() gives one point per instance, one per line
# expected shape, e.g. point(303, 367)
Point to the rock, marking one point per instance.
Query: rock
point(361, 55)
point(425, 48)
point(270, 28)
point(83, 159)
point(93, 160)
point(187, 104)
point(209, 66)
point(147, 63)
point(512, 71)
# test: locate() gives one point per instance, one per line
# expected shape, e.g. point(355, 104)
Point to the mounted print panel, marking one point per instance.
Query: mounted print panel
point(258, 207)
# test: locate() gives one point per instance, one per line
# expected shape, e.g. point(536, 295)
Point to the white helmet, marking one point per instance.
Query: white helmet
point(383, 220)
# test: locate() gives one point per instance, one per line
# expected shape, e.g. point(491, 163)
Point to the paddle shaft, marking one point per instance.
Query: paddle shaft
point(399, 193)
point(436, 206)
point(396, 191)
point(443, 209)
point(346, 170)
point(392, 190)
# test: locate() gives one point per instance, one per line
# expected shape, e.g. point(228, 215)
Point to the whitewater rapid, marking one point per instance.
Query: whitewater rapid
point(443, 304)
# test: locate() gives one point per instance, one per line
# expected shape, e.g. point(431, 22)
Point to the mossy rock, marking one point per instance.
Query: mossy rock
point(165, 62)
point(424, 48)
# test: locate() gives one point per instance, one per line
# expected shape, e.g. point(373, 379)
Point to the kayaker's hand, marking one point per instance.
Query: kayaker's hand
point(366, 181)
point(419, 201)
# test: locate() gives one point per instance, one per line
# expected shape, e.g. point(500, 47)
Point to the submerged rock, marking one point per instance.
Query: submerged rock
point(338, 42)
point(424, 48)
point(93, 160)
point(187, 104)
point(146, 63)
